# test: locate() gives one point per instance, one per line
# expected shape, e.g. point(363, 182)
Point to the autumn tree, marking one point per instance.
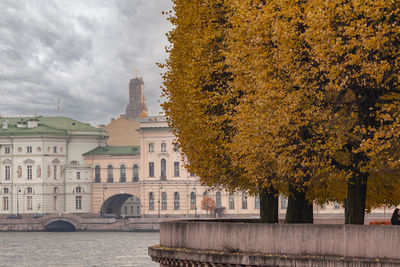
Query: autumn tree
point(199, 103)
point(208, 204)
point(356, 44)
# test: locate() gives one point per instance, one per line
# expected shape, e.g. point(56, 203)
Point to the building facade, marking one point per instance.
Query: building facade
point(41, 164)
point(151, 181)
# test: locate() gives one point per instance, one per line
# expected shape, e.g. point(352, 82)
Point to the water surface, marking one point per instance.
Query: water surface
point(76, 248)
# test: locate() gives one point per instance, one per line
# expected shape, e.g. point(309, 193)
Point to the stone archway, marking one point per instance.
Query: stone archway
point(60, 226)
point(122, 205)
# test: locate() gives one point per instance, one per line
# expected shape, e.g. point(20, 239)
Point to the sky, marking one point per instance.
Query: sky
point(81, 52)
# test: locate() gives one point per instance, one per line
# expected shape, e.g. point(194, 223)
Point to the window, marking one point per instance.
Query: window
point(78, 189)
point(6, 190)
point(5, 203)
point(151, 147)
point(163, 147)
point(55, 190)
point(151, 169)
point(163, 169)
point(131, 210)
point(7, 150)
point(28, 149)
point(78, 202)
point(126, 210)
point(163, 200)
point(29, 172)
point(176, 201)
point(257, 202)
point(176, 168)
point(110, 177)
point(151, 201)
point(192, 200)
point(54, 149)
point(283, 203)
point(218, 199)
point(231, 202)
point(191, 174)
point(55, 172)
point(122, 171)
point(55, 202)
point(97, 174)
point(78, 175)
point(244, 201)
point(29, 202)
point(135, 173)
point(7, 172)
point(176, 147)
point(29, 190)
point(336, 205)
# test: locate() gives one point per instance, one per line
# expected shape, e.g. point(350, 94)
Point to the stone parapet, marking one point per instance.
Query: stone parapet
point(215, 243)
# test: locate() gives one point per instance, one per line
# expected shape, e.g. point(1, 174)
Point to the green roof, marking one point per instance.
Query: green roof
point(114, 151)
point(46, 125)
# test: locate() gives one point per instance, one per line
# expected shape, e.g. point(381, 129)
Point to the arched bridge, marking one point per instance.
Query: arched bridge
point(61, 222)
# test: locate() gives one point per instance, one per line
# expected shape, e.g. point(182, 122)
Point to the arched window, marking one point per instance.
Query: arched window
point(192, 200)
point(231, 202)
point(257, 202)
point(218, 199)
point(110, 177)
point(163, 200)
point(163, 169)
point(78, 189)
point(135, 173)
point(97, 174)
point(176, 201)
point(244, 201)
point(122, 170)
point(151, 201)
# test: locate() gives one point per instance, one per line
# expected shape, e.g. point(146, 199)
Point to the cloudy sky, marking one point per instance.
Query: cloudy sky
point(82, 52)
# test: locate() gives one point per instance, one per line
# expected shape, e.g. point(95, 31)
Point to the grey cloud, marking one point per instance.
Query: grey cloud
point(83, 52)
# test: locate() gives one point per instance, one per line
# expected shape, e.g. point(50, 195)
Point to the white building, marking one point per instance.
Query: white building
point(41, 164)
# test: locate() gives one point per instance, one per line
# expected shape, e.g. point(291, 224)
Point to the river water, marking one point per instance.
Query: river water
point(76, 248)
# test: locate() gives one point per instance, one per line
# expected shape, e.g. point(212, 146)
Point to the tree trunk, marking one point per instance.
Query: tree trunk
point(299, 209)
point(355, 202)
point(269, 205)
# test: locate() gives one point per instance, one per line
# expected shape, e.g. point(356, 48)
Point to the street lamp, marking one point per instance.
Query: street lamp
point(102, 204)
point(159, 202)
point(18, 190)
point(195, 202)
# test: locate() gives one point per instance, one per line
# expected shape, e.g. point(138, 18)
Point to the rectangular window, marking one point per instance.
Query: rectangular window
point(7, 150)
point(78, 202)
point(55, 201)
point(176, 168)
point(257, 202)
point(284, 203)
point(29, 172)
point(54, 149)
point(29, 149)
point(78, 175)
point(55, 172)
point(151, 169)
point(151, 147)
point(163, 147)
point(131, 210)
point(29, 202)
point(7, 172)
point(231, 202)
point(5, 203)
